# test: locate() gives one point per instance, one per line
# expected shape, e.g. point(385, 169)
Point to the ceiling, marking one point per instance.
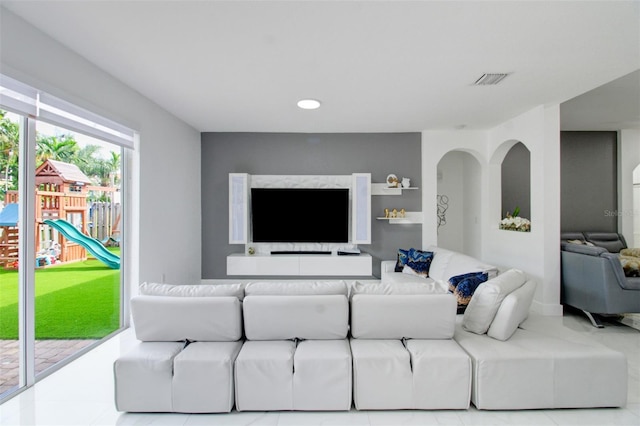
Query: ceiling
point(376, 66)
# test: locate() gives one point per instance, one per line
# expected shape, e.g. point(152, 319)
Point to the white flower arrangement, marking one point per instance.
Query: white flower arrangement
point(513, 222)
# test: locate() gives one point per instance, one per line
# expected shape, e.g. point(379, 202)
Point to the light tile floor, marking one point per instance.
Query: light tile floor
point(82, 394)
point(47, 354)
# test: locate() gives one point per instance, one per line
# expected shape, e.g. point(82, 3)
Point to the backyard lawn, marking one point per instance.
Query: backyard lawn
point(79, 300)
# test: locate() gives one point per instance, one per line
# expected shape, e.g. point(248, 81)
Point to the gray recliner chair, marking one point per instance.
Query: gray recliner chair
point(592, 276)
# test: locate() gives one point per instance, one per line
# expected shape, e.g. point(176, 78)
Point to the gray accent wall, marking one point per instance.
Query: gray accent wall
point(308, 154)
point(589, 170)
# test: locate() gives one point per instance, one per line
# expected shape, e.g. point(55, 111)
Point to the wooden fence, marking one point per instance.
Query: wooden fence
point(104, 220)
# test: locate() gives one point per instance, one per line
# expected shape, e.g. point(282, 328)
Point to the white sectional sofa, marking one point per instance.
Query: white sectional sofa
point(300, 345)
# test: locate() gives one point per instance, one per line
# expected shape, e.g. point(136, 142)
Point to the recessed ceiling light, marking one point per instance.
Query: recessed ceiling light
point(308, 104)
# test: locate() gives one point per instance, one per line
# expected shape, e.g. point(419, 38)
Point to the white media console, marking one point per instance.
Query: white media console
point(262, 262)
point(302, 265)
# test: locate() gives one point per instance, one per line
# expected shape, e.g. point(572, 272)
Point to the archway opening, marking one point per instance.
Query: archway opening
point(458, 203)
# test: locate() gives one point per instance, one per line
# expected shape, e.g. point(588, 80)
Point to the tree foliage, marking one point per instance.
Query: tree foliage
point(101, 171)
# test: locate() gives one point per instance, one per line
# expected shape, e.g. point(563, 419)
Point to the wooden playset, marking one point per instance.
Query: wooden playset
point(61, 193)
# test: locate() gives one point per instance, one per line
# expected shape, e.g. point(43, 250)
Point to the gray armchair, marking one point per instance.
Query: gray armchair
point(592, 277)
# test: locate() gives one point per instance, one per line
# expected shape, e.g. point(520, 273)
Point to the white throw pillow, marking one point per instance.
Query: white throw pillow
point(198, 290)
point(487, 299)
point(447, 264)
point(513, 310)
point(441, 258)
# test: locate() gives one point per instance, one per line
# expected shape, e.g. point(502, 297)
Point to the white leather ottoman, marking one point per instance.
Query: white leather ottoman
point(203, 377)
point(144, 377)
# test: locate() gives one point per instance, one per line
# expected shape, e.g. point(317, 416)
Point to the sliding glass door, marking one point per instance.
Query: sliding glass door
point(11, 144)
point(61, 232)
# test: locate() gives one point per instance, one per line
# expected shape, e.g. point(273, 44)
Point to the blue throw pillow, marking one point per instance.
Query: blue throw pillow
point(453, 281)
point(419, 262)
point(467, 286)
point(403, 257)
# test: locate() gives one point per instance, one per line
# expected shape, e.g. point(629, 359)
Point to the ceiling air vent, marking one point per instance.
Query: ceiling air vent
point(490, 79)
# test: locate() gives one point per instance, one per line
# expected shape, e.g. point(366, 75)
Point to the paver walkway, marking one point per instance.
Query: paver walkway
point(48, 352)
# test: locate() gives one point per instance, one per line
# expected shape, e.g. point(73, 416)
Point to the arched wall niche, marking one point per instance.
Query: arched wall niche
point(512, 161)
point(458, 203)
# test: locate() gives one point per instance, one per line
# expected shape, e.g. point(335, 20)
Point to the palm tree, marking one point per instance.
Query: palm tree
point(114, 166)
point(63, 148)
point(9, 139)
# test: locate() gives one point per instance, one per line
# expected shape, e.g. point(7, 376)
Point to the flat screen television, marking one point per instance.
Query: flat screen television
point(294, 215)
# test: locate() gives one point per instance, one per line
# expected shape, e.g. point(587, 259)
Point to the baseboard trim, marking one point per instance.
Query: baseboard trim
point(547, 309)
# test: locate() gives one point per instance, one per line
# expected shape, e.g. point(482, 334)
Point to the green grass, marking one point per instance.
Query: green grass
point(78, 300)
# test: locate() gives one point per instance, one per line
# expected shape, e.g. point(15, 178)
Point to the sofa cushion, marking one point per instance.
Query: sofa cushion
point(170, 319)
point(513, 310)
point(573, 236)
point(200, 290)
point(292, 288)
point(397, 287)
point(402, 258)
point(415, 316)
point(487, 299)
point(290, 317)
point(447, 264)
point(536, 370)
point(612, 241)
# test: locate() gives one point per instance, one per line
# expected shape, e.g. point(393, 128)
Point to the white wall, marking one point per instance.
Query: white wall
point(166, 183)
point(536, 252)
point(628, 160)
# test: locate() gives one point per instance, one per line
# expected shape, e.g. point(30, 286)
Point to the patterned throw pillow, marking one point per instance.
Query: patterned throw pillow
point(418, 262)
point(463, 286)
point(453, 281)
point(403, 257)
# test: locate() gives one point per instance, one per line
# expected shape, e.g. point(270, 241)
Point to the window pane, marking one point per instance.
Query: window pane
point(9, 232)
point(78, 231)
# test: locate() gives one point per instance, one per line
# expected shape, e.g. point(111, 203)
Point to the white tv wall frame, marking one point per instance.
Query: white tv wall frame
point(261, 262)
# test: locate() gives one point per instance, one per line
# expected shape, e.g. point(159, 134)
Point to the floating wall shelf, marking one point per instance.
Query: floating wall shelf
point(409, 218)
point(383, 189)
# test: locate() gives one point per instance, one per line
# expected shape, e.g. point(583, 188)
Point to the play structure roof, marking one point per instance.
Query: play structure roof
point(9, 215)
point(66, 171)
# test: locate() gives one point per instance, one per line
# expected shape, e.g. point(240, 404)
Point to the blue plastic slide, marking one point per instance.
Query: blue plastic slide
point(94, 246)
